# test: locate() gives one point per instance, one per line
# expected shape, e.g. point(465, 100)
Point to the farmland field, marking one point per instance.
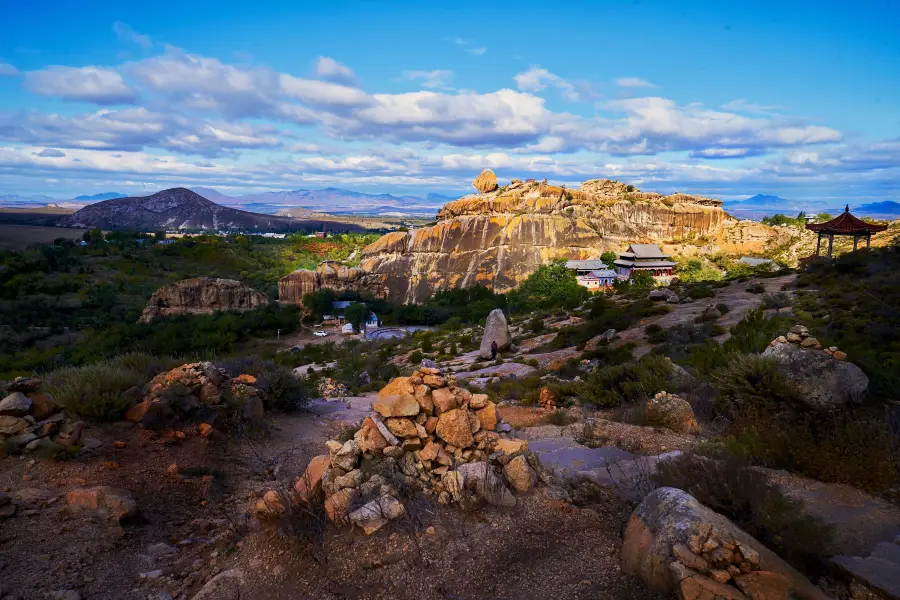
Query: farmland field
point(18, 237)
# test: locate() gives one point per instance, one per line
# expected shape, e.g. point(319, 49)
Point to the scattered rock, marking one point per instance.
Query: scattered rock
point(227, 585)
point(377, 513)
point(118, 505)
point(16, 404)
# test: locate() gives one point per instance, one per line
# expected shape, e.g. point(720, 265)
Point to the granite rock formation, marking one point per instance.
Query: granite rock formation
point(498, 238)
point(202, 296)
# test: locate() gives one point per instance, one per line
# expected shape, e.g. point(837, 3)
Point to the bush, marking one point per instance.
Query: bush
point(96, 391)
point(723, 308)
point(536, 324)
point(656, 334)
point(749, 379)
point(756, 288)
point(416, 357)
point(630, 382)
point(777, 300)
point(558, 417)
point(280, 388)
point(745, 496)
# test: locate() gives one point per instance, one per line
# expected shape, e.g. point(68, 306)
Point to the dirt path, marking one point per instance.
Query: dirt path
point(736, 296)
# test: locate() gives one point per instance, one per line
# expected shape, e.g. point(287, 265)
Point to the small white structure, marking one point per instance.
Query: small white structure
point(596, 280)
point(347, 329)
point(372, 321)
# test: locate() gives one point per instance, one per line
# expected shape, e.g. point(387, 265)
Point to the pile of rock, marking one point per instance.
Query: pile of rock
point(710, 567)
point(800, 336)
point(548, 399)
point(672, 412)
point(198, 392)
point(664, 293)
point(32, 421)
point(427, 435)
point(329, 388)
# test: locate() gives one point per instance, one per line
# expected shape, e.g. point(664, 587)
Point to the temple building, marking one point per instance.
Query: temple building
point(596, 280)
point(583, 267)
point(644, 257)
point(845, 224)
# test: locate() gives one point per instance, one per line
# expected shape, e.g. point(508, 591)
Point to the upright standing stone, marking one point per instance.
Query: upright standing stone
point(495, 330)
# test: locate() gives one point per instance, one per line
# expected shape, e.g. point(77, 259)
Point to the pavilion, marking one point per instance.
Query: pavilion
point(845, 224)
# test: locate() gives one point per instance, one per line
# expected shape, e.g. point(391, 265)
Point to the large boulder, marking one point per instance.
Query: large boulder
point(202, 296)
point(671, 411)
point(495, 330)
point(669, 521)
point(823, 381)
point(227, 585)
point(486, 181)
point(16, 404)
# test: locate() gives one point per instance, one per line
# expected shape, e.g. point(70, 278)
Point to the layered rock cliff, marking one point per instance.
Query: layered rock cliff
point(498, 238)
point(202, 296)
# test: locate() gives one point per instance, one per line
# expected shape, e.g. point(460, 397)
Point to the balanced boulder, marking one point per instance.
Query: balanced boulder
point(496, 331)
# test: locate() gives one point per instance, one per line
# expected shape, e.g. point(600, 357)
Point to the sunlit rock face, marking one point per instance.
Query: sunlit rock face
point(498, 238)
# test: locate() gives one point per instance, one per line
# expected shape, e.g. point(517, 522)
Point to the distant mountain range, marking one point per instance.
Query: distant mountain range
point(184, 209)
point(765, 204)
point(98, 197)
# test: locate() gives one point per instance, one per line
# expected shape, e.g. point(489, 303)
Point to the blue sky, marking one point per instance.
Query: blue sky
point(726, 99)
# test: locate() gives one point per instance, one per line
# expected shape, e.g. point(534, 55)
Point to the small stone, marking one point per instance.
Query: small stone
point(337, 506)
point(750, 555)
point(118, 444)
point(205, 429)
point(377, 513)
point(794, 338)
point(839, 355)
point(173, 469)
point(444, 400)
point(810, 342)
point(347, 456)
point(393, 451)
point(689, 559)
point(720, 575)
point(16, 404)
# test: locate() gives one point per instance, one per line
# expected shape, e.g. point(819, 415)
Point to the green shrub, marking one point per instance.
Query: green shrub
point(536, 324)
point(723, 308)
point(96, 391)
point(655, 333)
point(777, 300)
point(756, 288)
point(629, 382)
point(558, 417)
point(749, 379)
point(416, 357)
point(745, 496)
point(279, 387)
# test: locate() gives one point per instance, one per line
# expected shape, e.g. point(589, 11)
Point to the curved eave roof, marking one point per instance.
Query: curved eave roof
point(846, 224)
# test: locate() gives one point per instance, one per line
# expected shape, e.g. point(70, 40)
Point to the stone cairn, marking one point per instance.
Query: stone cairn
point(799, 335)
point(329, 388)
point(427, 435)
point(709, 566)
point(199, 392)
point(32, 421)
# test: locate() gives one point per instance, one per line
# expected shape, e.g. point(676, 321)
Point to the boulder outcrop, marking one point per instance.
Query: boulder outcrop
point(31, 421)
point(674, 544)
point(498, 237)
point(202, 296)
point(823, 380)
point(496, 331)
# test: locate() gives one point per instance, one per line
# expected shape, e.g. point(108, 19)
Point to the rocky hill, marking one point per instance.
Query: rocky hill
point(500, 235)
point(181, 208)
point(202, 296)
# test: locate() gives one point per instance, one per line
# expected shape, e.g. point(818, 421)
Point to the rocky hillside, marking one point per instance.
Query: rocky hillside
point(181, 208)
point(202, 296)
point(500, 235)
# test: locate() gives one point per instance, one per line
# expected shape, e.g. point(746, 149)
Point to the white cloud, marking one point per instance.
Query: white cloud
point(7, 70)
point(331, 70)
point(83, 84)
point(633, 82)
point(125, 33)
point(536, 79)
point(50, 153)
point(437, 78)
point(478, 51)
point(750, 107)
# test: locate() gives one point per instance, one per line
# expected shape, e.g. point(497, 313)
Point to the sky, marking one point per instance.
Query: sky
point(719, 98)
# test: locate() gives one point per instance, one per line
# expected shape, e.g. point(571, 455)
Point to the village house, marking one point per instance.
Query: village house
point(592, 274)
point(644, 257)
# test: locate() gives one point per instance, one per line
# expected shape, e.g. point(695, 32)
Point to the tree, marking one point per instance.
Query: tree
point(319, 302)
point(355, 314)
point(609, 258)
point(551, 286)
point(642, 279)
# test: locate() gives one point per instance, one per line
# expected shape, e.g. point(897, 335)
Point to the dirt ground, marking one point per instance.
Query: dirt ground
point(19, 237)
point(194, 524)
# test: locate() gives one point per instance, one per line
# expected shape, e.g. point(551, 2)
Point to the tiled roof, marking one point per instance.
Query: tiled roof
point(846, 224)
point(646, 251)
point(584, 265)
point(645, 264)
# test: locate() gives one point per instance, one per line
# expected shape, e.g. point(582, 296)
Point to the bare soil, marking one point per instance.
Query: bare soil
point(542, 548)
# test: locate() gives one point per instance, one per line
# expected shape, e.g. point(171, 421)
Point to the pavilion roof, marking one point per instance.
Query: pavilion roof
point(846, 224)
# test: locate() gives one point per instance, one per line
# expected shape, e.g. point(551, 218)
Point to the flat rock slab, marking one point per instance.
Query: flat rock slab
point(506, 370)
point(880, 570)
point(555, 358)
point(351, 411)
point(536, 342)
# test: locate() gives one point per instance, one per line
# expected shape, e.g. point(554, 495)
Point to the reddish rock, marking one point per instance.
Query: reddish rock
point(487, 416)
point(397, 387)
point(444, 399)
point(43, 405)
point(118, 505)
point(309, 485)
point(453, 428)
